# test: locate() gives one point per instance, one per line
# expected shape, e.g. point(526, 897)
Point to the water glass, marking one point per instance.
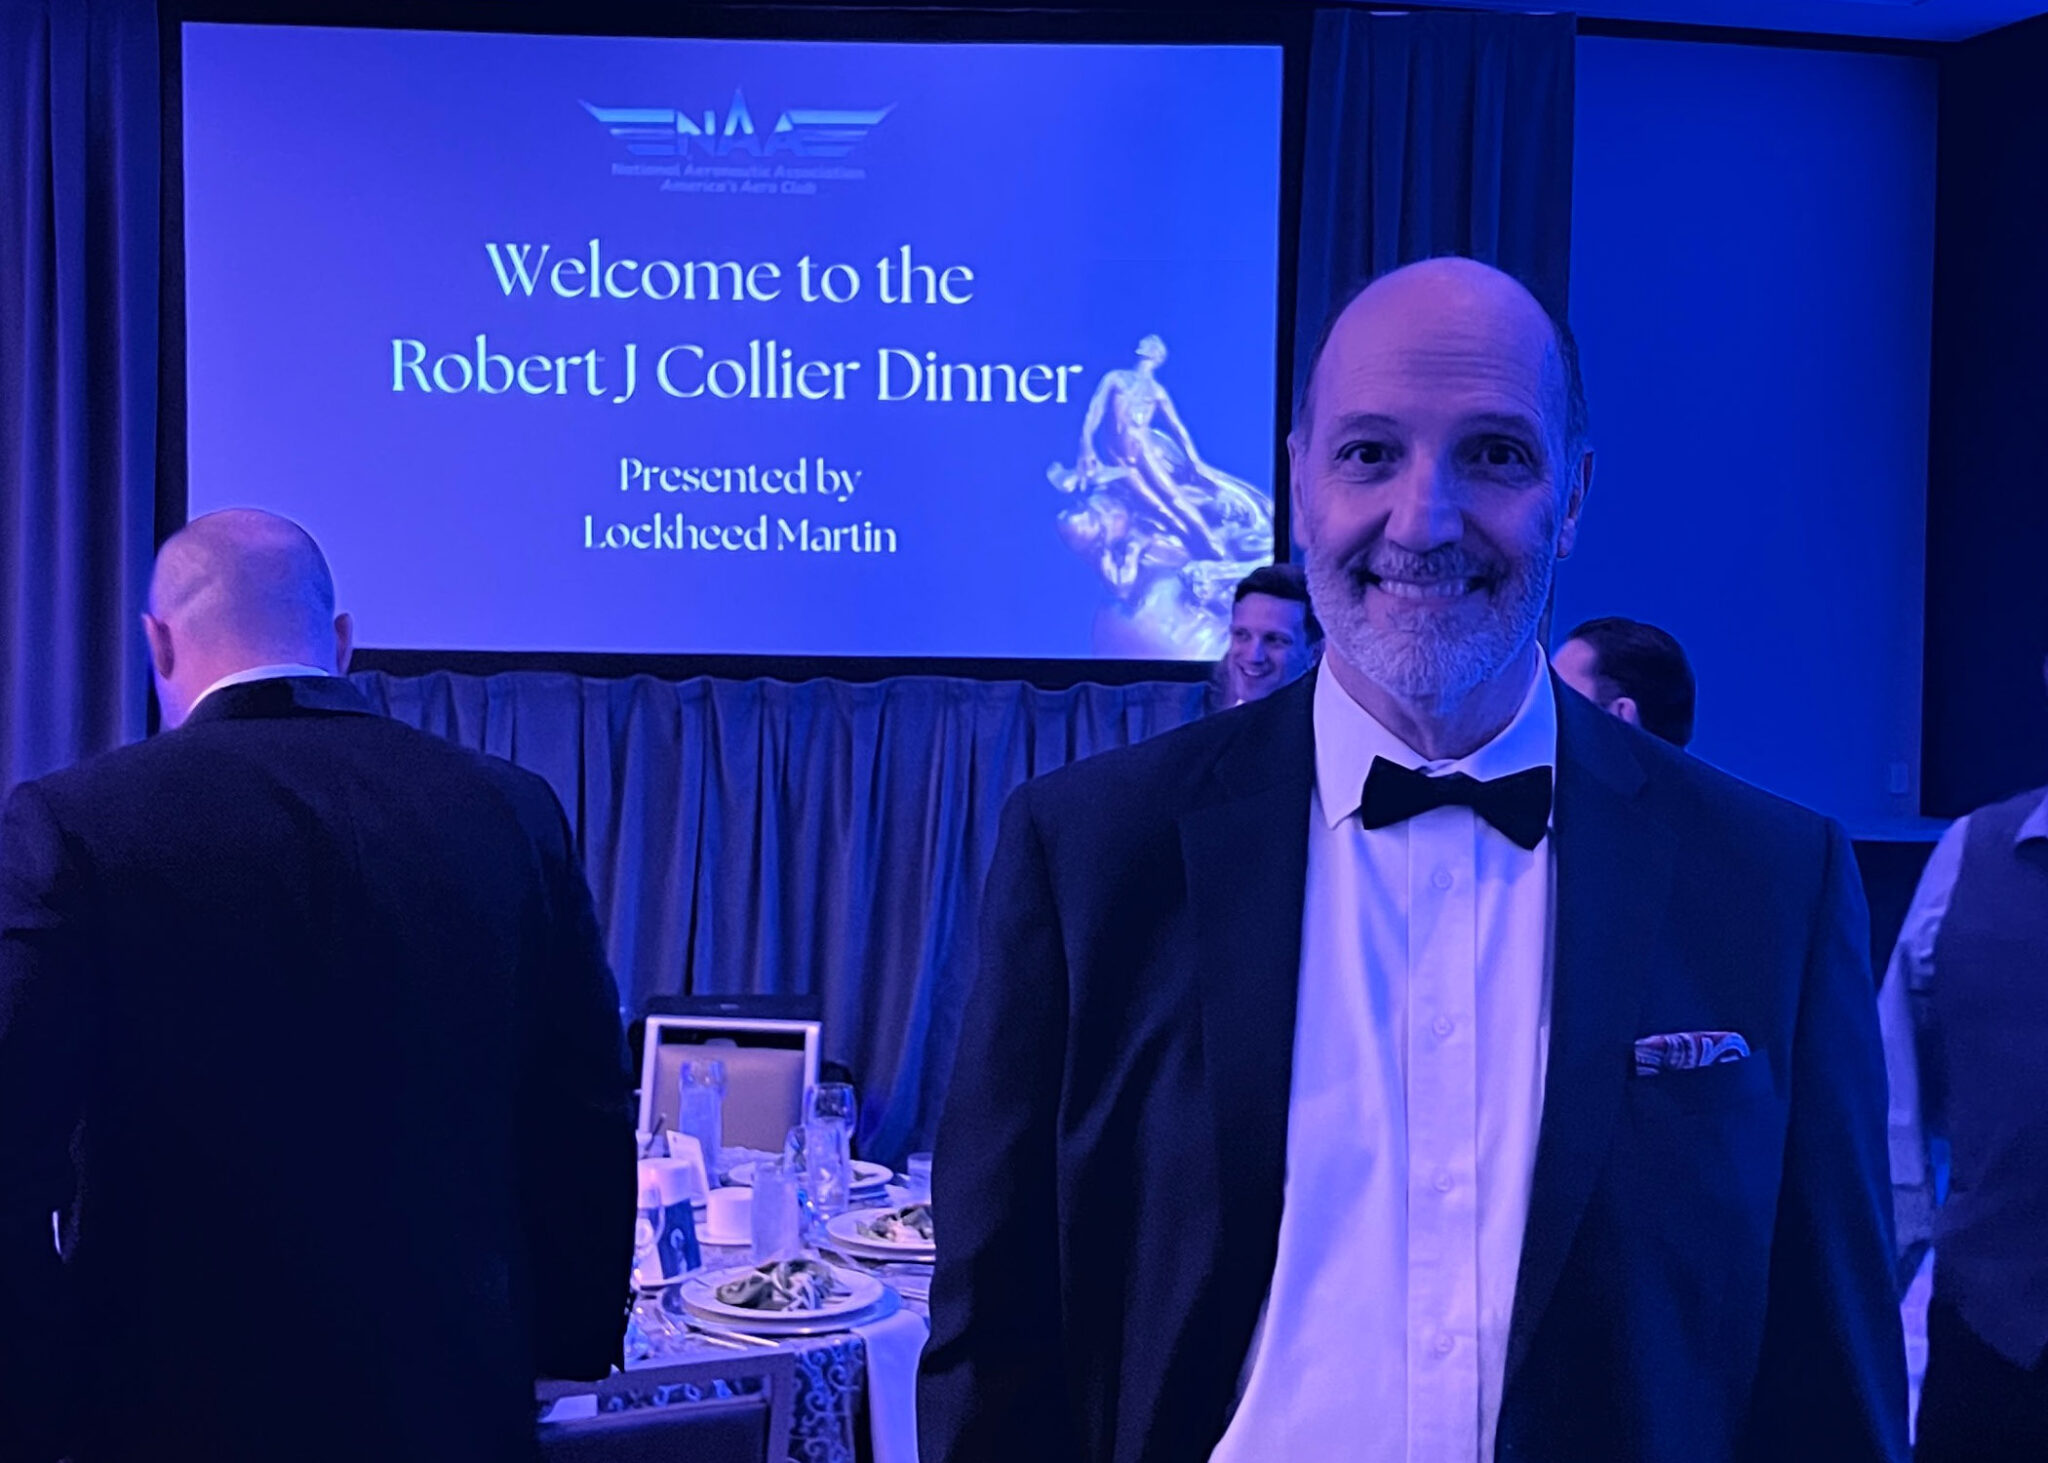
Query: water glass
point(917, 1176)
point(831, 1102)
point(777, 1217)
point(647, 1225)
point(700, 1109)
point(828, 1169)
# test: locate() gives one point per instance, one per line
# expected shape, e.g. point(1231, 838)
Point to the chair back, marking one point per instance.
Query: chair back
point(721, 1430)
point(750, 1426)
point(768, 1066)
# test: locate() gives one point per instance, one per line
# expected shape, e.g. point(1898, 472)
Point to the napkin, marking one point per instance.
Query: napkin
point(894, 1345)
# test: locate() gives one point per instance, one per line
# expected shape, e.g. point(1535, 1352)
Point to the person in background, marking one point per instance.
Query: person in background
point(1634, 671)
point(1274, 635)
point(307, 1031)
point(1330, 1089)
point(1964, 1010)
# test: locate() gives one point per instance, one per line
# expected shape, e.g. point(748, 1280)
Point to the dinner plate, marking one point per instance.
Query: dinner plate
point(700, 1295)
point(874, 1254)
point(845, 1230)
point(866, 1176)
point(768, 1329)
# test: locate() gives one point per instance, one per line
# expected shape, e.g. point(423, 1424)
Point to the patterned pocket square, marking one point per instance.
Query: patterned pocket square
point(1681, 1051)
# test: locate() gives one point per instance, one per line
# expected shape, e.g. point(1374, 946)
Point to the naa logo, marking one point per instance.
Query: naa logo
point(798, 131)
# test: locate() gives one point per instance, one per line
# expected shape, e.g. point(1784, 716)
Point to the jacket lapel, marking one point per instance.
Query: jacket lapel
point(1245, 852)
point(1614, 863)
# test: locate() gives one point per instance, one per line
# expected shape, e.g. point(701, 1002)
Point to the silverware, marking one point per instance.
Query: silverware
point(712, 1338)
point(914, 1284)
point(740, 1338)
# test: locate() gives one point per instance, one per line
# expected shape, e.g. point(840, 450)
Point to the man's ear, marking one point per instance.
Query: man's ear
point(1297, 516)
point(1575, 504)
point(1624, 707)
point(163, 655)
point(344, 642)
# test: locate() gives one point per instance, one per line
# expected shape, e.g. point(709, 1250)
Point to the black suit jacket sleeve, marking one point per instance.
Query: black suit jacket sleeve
point(1832, 1375)
point(44, 1040)
point(576, 1151)
point(993, 1383)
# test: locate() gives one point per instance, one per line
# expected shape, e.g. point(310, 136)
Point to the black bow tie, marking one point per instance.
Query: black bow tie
point(1518, 804)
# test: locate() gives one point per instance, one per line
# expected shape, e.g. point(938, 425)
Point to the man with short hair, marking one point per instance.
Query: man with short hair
point(1632, 671)
point(1332, 1090)
point(1274, 635)
point(306, 1028)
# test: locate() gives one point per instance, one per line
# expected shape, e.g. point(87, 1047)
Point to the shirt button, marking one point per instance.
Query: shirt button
point(1441, 878)
point(1444, 1344)
point(1442, 1182)
point(1443, 1026)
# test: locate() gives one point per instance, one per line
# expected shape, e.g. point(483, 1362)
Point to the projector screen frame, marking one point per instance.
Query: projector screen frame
point(1286, 28)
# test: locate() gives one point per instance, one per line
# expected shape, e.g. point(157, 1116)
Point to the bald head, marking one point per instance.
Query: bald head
point(1437, 476)
point(235, 590)
point(1470, 305)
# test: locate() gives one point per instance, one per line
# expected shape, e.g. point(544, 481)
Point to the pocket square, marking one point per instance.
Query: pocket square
point(1681, 1051)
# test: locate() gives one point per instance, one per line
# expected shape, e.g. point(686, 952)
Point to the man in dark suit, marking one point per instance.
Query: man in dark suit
point(1331, 1090)
point(306, 1029)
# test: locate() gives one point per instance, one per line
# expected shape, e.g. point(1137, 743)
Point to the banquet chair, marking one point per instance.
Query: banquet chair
point(769, 1062)
point(749, 1428)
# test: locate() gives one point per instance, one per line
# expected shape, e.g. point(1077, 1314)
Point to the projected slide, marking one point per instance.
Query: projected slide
point(788, 348)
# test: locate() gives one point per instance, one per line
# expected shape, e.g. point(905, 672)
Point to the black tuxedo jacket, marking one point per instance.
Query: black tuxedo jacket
point(305, 1022)
point(1706, 1272)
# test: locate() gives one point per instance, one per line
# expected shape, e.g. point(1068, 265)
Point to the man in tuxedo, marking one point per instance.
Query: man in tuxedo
point(1332, 1090)
point(306, 1029)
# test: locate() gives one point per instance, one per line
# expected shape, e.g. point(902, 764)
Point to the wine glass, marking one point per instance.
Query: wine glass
point(831, 1102)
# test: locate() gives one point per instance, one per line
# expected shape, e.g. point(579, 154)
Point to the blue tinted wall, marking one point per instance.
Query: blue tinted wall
point(1752, 275)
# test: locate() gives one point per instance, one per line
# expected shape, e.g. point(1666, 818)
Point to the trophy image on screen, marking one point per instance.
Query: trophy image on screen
point(1170, 535)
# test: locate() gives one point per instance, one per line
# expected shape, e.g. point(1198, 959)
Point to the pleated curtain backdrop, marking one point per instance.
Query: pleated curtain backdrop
point(78, 374)
point(758, 836)
point(1434, 132)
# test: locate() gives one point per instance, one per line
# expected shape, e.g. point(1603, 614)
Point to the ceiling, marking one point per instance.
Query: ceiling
point(1918, 20)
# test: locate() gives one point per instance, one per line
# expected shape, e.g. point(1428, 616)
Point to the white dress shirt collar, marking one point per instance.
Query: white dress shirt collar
point(2036, 824)
point(259, 673)
point(1348, 737)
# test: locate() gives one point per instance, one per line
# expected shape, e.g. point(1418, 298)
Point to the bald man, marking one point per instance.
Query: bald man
point(306, 1030)
point(1417, 1064)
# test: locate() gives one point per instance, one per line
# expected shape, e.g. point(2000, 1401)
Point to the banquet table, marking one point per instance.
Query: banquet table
point(831, 1412)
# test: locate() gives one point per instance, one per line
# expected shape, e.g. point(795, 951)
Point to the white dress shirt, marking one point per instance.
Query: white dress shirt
point(1419, 1050)
point(1919, 1130)
point(257, 673)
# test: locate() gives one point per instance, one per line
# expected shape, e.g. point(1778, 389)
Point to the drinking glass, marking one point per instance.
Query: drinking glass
point(830, 1102)
point(700, 1109)
point(647, 1224)
point(917, 1177)
point(777, 1219)
point(828, 1149)
point(828, 1169)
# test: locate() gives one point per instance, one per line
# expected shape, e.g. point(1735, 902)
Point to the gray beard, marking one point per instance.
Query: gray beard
point(1419, 660)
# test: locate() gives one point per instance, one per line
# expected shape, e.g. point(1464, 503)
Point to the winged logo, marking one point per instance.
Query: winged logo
point(799, 131)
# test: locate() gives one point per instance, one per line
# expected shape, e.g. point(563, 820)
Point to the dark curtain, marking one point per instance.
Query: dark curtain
point(78, 362)
point(756, 836)
point(1430, 133)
